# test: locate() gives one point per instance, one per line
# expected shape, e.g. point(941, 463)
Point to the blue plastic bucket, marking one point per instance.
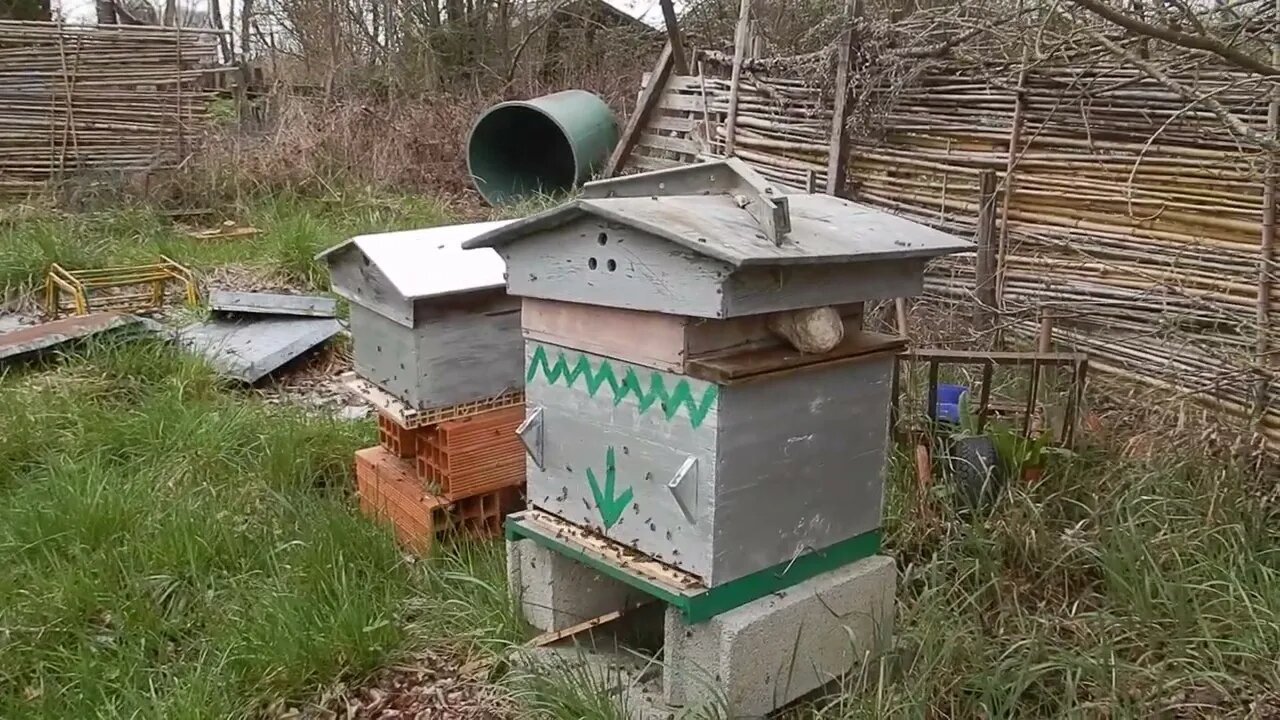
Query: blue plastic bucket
point(949, 397)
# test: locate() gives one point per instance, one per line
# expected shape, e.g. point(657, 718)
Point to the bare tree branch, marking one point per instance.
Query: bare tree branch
point(1226, 116)
point(1177, 37)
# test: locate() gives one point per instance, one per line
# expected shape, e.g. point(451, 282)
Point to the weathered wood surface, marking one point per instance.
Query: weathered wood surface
point(800, 464)
point(34, 339)
point(471, 354)
point(644, 107)
point(758, 291)
point(756, 364)
point(714, 337)
point(655, 340)
point(353, 276)
point(249, 351)
point(824, 229)
point(615, 434)
point(669, 578)
point(271, 304)
point(570, 263)
point(449, 358)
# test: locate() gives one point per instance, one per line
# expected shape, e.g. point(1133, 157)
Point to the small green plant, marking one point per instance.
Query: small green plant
point(223, 112)
point(1015, 450)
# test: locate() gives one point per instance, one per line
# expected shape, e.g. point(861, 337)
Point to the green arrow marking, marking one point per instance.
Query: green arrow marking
point(610, 507)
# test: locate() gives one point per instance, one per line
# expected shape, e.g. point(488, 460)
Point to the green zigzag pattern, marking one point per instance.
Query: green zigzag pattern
point(604, 377)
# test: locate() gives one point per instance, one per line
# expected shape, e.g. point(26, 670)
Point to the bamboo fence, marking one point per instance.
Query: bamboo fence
point(99, 98)
point(781, 125)
point(1131, 215)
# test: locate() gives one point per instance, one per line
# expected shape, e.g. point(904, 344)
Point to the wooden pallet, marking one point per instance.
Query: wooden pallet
point(474, 455)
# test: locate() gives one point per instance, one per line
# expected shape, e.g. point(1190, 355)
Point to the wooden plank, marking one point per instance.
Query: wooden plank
point(653, 339)
point(678, 60)
point(838, 147)
point(985, 262)
point(271, 303)
point(674, 124)
point(648, 162)
point(1004, 358)
point(32, 340)
point(752, 364)
point(670, 144)
point(549, 638)
point(679, 102)
point(648, 99)
point(677, 581)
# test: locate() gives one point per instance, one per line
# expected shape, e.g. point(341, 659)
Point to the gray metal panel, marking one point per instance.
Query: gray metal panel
point(353, 276)
point(272, 303)
point(650, 423)
point(249, 351)
point(469, 354)
point(800, 463)
point(649, 273)
point(385, 353)
point(763, 290)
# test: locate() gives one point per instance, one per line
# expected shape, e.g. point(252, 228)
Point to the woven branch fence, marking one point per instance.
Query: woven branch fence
point(1129, 214)
point(99, 98)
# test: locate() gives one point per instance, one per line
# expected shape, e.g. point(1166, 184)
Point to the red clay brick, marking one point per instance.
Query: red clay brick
point(400, 441)
point(391, 494)
point(474, 455)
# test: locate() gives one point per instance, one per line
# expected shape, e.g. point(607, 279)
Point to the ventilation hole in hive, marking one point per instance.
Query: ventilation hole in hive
point(612, 265)
point(591, 263)
point(602, 238)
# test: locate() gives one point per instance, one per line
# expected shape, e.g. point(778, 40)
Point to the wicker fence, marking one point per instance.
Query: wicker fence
point(108, 99)
point(1130, 214)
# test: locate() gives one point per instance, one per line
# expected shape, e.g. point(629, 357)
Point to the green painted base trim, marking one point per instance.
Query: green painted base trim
point(705, 603)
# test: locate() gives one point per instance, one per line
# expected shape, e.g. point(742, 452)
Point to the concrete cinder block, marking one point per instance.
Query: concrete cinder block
point(774, 650)
point(556, 592)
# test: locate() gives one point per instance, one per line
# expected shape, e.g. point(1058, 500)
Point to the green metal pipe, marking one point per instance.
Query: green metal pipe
point(546, 145)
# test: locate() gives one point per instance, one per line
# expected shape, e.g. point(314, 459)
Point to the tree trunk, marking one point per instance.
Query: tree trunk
point(106, 12)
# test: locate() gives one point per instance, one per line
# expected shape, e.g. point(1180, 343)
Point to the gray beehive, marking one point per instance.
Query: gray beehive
point(431, 323)
point(662, 410)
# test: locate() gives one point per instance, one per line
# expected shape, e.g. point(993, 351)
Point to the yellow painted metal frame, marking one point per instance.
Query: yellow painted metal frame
point(82, 284)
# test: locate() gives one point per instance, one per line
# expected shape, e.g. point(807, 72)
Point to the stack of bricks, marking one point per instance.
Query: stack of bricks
point(462, 474)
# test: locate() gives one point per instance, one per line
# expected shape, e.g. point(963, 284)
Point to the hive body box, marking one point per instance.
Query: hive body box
point(662, 413)
point(431, 323)
point(720, 480)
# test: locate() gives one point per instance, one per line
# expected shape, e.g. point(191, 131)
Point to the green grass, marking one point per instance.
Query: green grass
point(1112, 587)
point(171, 549)
point(293, 229)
